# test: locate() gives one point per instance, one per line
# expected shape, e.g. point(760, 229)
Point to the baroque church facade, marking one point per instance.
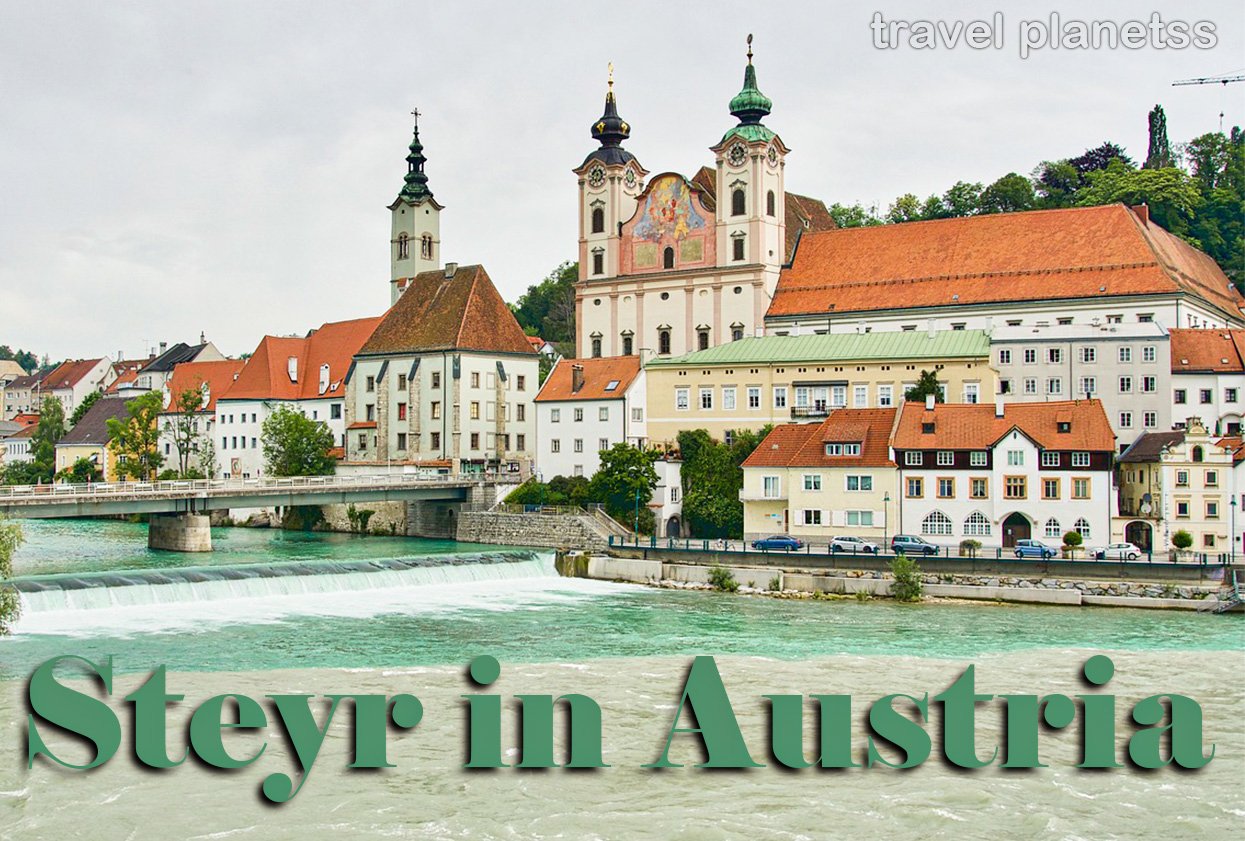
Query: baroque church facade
point(670, 264)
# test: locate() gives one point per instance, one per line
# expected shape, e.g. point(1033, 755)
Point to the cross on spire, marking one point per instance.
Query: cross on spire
point(749, 47)
point(415, 114)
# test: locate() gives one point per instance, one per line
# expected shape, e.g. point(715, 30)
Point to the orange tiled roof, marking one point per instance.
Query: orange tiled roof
point(1084, 252)
point(803, 444)
point(598, 373)
point(973, 426)
point(266, 374)
point(218, 376)
point(362, 425)
point(1234, 444)
point(463, 311)
point(68, 373)
point(26, 418)
point(1207, 350)
point(536, 341)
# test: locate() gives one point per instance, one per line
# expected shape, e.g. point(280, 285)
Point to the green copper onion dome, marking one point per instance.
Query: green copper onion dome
point(416, 187)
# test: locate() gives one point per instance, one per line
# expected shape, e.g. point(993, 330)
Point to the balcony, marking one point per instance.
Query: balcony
point(812, 412)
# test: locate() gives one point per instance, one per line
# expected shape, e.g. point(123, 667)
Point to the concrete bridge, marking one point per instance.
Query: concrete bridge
point(179, 509)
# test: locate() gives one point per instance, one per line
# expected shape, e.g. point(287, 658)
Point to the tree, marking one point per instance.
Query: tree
point(926, 385)
point(1057, 183)
point(184, 428)
point(1100, 157)
point(294, 445)
point(10, 604)
point(854, 216)
point(24, 358)
point(1170, 194)
point(624, 482)
point(963, 198)
point(908, 586)
point(84, 407)
point(548, 308)
point(21, 473)
point(1182, 540)
point(1159, 155)
point(906, 208)
point(51, 429)
point(134, 437)
point(80, 472)
point(712, 477)
point(1011, 193)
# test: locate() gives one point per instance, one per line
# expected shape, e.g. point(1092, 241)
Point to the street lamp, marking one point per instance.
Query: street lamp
point(886, 507)
point(1232, 538)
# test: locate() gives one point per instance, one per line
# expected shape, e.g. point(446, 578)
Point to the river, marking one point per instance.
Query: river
point(278, 612)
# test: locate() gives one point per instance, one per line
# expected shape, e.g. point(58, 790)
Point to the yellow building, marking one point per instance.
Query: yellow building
point(817, 481)
point(89, 439)
point(752, 382)
point(1176, 481)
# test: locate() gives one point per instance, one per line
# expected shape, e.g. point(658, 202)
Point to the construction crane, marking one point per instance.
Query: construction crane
point(1211, 80)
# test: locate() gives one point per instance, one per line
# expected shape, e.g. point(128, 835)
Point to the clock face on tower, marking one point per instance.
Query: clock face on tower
point(596, 176)
point(773, 155)
point(737, 155)
point(630, 178)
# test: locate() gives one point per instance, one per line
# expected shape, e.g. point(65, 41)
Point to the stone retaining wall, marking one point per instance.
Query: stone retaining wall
point(553, 531)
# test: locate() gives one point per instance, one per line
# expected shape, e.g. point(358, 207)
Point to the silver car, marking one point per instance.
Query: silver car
point(1118, 552)
point(855, 545)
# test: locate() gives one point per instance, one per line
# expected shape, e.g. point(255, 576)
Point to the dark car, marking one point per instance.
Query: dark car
point(1028, 548)
point(910, 544)
point(778, 541)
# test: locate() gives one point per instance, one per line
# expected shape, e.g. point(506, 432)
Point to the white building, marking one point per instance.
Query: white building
point(72, 380)
point(210, 380)
point(1208, 378)
point(584, 407)
point(1003, 473)
point(308, 374)
point(1126, 366)
point(153, 374)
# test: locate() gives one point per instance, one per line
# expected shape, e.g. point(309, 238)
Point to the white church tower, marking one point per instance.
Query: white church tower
point(750, 159)
point(415, 238)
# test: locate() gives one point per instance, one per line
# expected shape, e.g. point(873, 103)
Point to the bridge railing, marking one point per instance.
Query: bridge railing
point(16, 493)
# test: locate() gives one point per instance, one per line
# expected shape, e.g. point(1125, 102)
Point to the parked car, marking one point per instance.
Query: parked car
point(784, 542)
point(910, 544)
point(1118, 552)
point(855, 545)
point(1028, 548)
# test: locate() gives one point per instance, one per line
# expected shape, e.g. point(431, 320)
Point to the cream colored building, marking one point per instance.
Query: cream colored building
point(753, 382)
point(818, 481)
point(1176, 481)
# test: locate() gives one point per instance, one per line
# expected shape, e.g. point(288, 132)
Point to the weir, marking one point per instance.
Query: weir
point(102, 590)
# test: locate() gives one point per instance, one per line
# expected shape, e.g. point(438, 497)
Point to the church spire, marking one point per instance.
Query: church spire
point(750, 105)
point(610, 130)
point(416, 187)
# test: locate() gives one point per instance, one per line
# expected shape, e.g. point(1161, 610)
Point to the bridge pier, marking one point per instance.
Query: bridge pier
point(180, 532)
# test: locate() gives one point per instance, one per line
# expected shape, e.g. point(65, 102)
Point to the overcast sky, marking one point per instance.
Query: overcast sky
point(171, 168)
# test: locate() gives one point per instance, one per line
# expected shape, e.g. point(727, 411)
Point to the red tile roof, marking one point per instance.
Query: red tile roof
point(1208, 351)
point(803, 444)
point(1084, 252)
point(26, 418)
point(598, 373)
point(266, 374)
point(219, 377)
point(1236, 445)
point(973, 426)
point(461, 312)
point(536, 341)
point(69, 373)
point(362, 425)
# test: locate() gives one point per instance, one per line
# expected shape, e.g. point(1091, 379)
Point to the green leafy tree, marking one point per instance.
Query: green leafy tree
point(1011, 193)
point(24, 358)
point(84, 407)
point(51, 429)
point(854, 216)
point(134, 437)
point(1056, 184)
point(1100, 157)
point(1172, 196)
point(712, 477)
point(80, 472)
point(963, 198)
point(548, 308)
point(295, 445)
point(926, 384)
point(188, 428)
point(21, 473)
point(626, 475)
point(10, 604)
point(1159, 155)
point(906, 208)
point(1182, 540)
point(908, 586)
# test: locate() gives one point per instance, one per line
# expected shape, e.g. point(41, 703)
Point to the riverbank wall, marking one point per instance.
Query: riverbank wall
point(794, 581)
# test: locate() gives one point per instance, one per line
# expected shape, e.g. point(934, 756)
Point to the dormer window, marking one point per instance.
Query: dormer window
point(843, 449)
point(1064, 426)
point(324, 378)
point(404, 246)
point(927, 428)
point(291, 368)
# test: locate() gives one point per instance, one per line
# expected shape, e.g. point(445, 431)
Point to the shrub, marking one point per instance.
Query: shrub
point(1072, 539)
point(358, 518)
point(775, 584)
point(969, 547)
point(1182, 539)
point(863, 596)
point(10, 604)
point(723, 579)
point(907, 586)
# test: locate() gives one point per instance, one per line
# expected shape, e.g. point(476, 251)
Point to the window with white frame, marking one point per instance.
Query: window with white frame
point(1031, 385)
point(1054, 355)
point(772, 487)
point(603, 444)
point(886, 396)
point(1005, 356)
point(860, 396)
point(1080, 459)
point(1052, 528)
point(1126, 420)
point(780, 397)
point(1054, 385)
point(1149, 353)
point(1150, 419)
point(1016, 458)
point(913, 458)
point(860, 518)
point(936, 523)
point(728, 398)
point(579, 445)
point(812, 516)
point(1050, 458)
point(860, 483)
point(812, 481)
point(1030, 356)
point(1149, 385)
point(603, 413)
point(801, 397)
point(1089, 355)
point(838, 396)
point(1082, 528)
point(1126, 385)
point(1088, 385)
point(976, 525)
point(754, 397)
point(579, 415)
point(946, 458)
point(1126, 354)
point(972, 392)
point(978, 458)
point(842, 449)
point(681, 397)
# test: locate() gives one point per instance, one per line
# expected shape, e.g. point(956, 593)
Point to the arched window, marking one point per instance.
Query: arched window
point(769, 204)
point(667, 258)
point(598, 220)
point(936, 523)
point(425, 246)
point(1198, 455)
point(737, 245)
point(738, 202)
point(1082, 528)
point(596, 348)
point(976, 525)
point(702, 339)
point(737, 333)
point(404, 246)
point(626, 343)
point(663, 341)
point(1053, 528)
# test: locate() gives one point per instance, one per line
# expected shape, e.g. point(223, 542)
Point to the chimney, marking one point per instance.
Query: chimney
point(577, 378)
point(451, 269)
point(1142, 212)
point(929, 402)
point(998, 407)
point(164, 346)
point(202, 338)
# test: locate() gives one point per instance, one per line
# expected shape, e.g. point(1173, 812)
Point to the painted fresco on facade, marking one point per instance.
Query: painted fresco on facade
point(668, 212)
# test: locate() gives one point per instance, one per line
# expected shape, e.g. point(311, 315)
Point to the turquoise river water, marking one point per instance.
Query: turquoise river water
point(273, 611)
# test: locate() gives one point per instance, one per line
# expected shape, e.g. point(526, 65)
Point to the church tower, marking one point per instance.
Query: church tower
point(751, 200)
point(610, 179)
point(415, 238)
